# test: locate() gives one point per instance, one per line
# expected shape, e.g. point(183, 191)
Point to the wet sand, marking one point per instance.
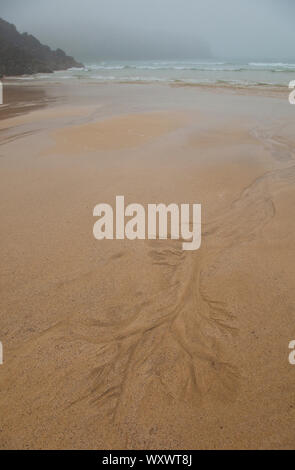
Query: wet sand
point(138, 344)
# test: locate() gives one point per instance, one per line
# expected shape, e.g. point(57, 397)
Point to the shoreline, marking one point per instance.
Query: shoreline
point(22, 97)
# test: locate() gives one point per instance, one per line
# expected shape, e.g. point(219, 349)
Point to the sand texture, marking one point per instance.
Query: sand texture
point(138, 344)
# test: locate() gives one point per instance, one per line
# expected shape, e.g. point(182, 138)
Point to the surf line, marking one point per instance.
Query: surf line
point(142, 226)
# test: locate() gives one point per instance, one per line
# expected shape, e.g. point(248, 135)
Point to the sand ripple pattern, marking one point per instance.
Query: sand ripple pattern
point(175, 342)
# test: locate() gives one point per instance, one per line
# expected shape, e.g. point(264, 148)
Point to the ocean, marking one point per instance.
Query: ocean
point(194, 72)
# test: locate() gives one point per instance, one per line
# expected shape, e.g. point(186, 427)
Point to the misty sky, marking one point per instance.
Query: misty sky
point(156, 29)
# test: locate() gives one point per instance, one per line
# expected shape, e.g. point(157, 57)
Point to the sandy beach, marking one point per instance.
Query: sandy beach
point(120, 344)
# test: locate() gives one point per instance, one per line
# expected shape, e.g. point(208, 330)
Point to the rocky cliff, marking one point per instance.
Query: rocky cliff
point(24, 54)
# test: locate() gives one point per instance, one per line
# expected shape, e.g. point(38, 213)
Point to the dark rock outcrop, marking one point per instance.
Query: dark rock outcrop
point(23, 54)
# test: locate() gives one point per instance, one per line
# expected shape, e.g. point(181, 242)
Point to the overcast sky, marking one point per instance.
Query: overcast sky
point(151, 29)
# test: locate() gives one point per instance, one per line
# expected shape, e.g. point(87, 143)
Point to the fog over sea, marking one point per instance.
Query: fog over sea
point(195, 72)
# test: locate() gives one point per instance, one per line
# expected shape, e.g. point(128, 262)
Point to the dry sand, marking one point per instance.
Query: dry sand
point(120, 344)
